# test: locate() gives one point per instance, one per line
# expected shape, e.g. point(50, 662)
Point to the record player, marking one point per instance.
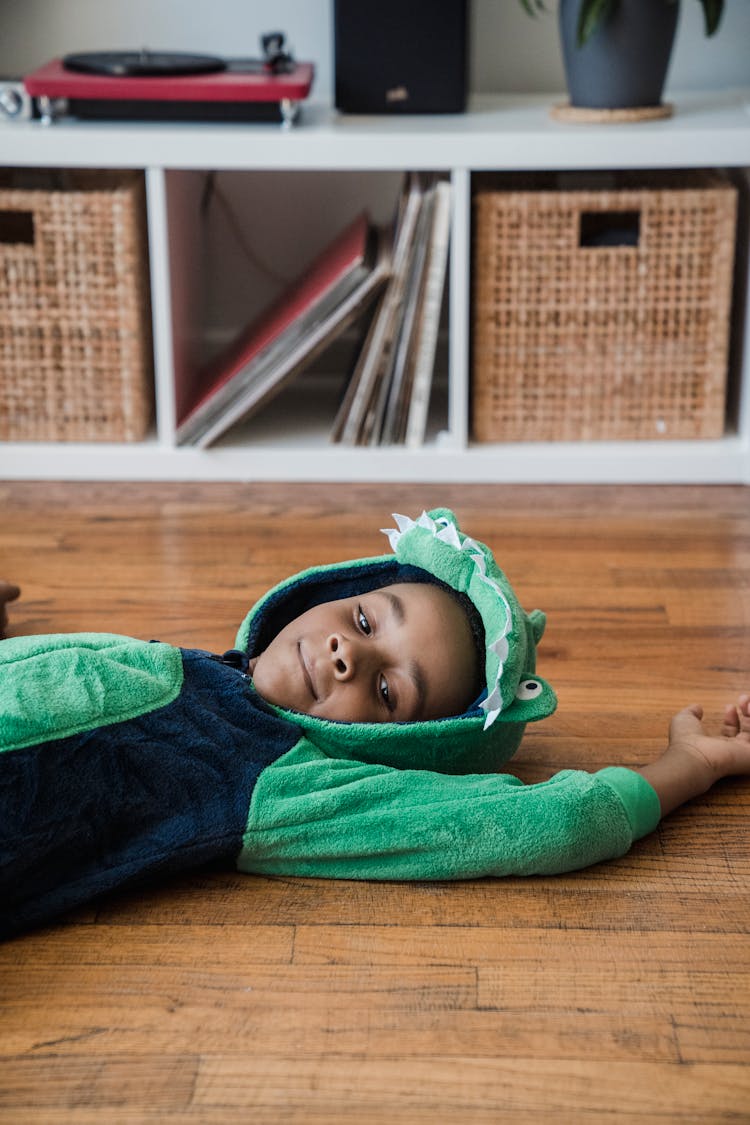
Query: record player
point(172, 86)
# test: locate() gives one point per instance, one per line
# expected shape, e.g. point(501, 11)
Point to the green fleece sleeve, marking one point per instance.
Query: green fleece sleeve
point(319, 816)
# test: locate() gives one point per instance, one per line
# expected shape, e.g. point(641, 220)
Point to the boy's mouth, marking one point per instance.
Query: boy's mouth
point(306, 672)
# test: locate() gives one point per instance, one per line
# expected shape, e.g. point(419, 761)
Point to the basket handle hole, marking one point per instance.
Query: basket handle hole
point(609, 228)
point(17, 227)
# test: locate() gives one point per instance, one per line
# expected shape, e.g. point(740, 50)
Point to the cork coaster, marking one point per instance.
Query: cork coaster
point(586, 116)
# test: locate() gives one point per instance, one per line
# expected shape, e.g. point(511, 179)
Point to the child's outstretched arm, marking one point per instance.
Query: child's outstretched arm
point(313, 815)
point(694, 760)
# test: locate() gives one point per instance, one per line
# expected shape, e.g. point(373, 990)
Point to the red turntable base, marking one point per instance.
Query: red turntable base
point(164, 86)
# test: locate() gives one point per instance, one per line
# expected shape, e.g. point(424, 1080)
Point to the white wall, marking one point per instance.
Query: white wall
point(509, 51)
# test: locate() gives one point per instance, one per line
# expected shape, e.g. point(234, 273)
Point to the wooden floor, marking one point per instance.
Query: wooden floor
point(619, 993)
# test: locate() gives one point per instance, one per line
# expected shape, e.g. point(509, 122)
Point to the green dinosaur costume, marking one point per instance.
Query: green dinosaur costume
point(121, 758)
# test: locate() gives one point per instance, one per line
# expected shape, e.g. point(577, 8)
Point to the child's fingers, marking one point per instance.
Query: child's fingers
point(731, 726)
point(743, 714)
point(737, 718)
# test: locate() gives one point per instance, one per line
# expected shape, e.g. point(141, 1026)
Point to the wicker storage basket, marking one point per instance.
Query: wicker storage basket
point(601, 312)
point(75, 342)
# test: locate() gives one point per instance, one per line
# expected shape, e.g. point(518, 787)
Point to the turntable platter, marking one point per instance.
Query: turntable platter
point(144, 63)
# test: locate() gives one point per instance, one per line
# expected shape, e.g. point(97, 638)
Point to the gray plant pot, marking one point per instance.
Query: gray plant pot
point(624, 63)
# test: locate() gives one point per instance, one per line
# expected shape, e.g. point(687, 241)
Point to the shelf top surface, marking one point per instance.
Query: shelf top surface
point(706, 129)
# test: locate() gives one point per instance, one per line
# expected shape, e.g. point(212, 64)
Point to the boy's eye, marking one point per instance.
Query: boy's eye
point(362, 621)
point(385, 693)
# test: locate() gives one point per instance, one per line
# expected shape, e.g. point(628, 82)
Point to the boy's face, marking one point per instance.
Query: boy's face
point(398, 654)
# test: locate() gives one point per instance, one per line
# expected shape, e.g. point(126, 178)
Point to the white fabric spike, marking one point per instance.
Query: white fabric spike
point(490, 719)
point(494, 701)
point(481, 563)
point(403, 523)
point(449, 534)
point(393, 536)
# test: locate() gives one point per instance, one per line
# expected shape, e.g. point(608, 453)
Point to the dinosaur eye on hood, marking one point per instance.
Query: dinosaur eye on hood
point(529, 689)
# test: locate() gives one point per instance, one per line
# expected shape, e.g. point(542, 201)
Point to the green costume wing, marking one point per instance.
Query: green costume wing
point(64, 684)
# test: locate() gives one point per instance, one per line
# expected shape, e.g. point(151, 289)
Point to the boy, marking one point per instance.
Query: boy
point(343, 737)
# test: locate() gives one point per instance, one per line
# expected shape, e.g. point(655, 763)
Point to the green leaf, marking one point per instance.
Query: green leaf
point(712, 12)
point(592, 13)
point(595, 12)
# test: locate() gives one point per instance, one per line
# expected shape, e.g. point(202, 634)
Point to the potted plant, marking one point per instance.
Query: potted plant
point(616, 52)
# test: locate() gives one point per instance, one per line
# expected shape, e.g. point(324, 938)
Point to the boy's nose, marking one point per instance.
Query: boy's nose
point(342, 654)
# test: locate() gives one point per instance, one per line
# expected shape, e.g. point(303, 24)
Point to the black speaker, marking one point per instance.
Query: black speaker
point(400, 56)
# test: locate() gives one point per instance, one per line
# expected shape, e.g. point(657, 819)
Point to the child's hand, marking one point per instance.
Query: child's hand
point(724, 754)
point(694, 760)
point(7, 594)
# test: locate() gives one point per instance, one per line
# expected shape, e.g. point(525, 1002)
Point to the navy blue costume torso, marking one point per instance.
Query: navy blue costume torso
point(165, 791)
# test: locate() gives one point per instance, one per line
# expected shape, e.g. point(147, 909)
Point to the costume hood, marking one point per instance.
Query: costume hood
point(431, 547)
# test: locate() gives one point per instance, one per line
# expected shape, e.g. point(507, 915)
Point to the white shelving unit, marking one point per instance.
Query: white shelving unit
point(711, 130)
